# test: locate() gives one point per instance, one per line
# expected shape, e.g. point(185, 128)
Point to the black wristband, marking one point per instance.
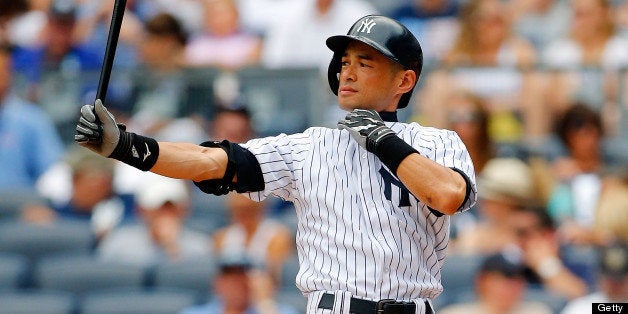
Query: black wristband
point(135, 150)
point(392, 150)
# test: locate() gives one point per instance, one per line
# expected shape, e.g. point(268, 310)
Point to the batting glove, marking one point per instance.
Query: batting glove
point(100, 135)
point(366, 127)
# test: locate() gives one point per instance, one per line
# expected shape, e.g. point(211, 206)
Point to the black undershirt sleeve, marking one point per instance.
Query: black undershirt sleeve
point(241, 163)
point(248, 170)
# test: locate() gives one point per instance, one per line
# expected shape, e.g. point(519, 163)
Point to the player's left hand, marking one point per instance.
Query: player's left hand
point(97, 129)
point(366, 127)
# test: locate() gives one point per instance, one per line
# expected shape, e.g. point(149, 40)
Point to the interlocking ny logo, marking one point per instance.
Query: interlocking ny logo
point(389, 181)
point(366, 26)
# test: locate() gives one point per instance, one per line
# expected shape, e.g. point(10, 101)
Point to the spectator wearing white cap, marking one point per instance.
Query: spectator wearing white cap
point(504, 185)
point(159, 235)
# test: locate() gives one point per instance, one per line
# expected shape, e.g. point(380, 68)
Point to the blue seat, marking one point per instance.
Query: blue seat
point(34, 241)
point(12, 201)
point(37, 301)
point(192, 274)
point(208, 212)
point(83, 273)
point(137, 301)
point(289, 272)
point(14, 270)
point(288, 293)
point(458, 276)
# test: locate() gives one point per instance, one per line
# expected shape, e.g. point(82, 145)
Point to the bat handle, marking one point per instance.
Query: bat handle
point(110, 50)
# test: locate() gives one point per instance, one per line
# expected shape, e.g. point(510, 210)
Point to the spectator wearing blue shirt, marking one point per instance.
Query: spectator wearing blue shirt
point(56, 70)
point(433, 21)
point(238, 288)
point(29, 144)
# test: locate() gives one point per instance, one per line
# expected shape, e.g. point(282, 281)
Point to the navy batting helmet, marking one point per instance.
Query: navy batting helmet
point(387, 36)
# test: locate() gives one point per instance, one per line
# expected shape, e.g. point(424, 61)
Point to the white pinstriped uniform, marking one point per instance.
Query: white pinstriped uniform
point(350, 236)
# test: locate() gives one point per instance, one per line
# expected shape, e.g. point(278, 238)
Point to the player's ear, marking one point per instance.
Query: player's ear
point(407, 81)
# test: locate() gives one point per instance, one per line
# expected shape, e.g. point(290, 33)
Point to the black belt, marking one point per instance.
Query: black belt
point(361, 306)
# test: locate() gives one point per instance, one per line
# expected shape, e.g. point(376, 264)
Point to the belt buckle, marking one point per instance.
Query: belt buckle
point(382, 303)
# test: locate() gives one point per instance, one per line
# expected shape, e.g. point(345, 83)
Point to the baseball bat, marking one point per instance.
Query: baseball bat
point(110, 49)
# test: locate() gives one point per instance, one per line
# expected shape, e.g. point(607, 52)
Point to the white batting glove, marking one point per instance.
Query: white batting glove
point(99, 135)
point(366, 127)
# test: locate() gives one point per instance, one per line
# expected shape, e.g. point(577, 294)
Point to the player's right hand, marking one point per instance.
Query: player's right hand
point(366, 127)
point(100, 135)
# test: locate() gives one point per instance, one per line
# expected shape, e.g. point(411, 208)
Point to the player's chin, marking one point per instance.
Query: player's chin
point(347, 105)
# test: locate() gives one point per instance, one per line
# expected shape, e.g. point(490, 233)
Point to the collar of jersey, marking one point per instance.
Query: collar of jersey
point(389, 116)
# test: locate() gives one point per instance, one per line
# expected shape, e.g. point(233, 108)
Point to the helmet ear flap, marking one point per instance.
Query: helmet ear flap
point(333, 71)
point(405, 99)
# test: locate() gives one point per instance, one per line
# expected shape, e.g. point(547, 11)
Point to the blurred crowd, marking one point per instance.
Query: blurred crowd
point(536, 89)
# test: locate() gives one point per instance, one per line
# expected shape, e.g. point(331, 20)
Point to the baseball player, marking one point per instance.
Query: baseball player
point(373, 197)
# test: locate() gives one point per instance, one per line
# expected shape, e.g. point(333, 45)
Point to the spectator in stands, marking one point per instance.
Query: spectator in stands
point(159, 91)
point(612, 280)
point(540, 21)
point(88, 195)
point(10, 12)
point(160, 234)
point(232, 124)
point(431, 21)
point(500, 286)
point(296, 41)
point(611, 215)
point(588, 58)
point(578, 174)
point(223, 43)
point(547, 267)
point(266, 242)
point(486, 38)
point(238, 289)
point(55, 68)
point(29, 143)
point(470, 120)
point(592, 39)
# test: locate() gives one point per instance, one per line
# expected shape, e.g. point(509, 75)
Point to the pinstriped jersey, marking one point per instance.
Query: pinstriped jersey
point(359, 229)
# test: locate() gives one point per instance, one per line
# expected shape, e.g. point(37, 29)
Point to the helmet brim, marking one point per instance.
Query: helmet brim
point(339, 43)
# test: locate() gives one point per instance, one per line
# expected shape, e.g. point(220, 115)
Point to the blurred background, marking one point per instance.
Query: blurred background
point(536, 89)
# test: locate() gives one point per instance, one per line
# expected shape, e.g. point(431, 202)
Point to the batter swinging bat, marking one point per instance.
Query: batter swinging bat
point(110, 50)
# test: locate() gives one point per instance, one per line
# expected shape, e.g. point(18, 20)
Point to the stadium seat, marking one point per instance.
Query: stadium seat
point(458, 276)
point(288, 292)
point(34, 241)
point(83, 273)
point(137, 301)
point(14, 269)
point(36, 301)
point(192, 274)
point(12, 201)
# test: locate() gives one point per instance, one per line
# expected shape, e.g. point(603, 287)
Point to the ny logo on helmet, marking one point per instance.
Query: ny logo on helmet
point(366, 26)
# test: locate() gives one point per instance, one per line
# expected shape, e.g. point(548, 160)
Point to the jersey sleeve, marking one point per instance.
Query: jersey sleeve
point(275, 157)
